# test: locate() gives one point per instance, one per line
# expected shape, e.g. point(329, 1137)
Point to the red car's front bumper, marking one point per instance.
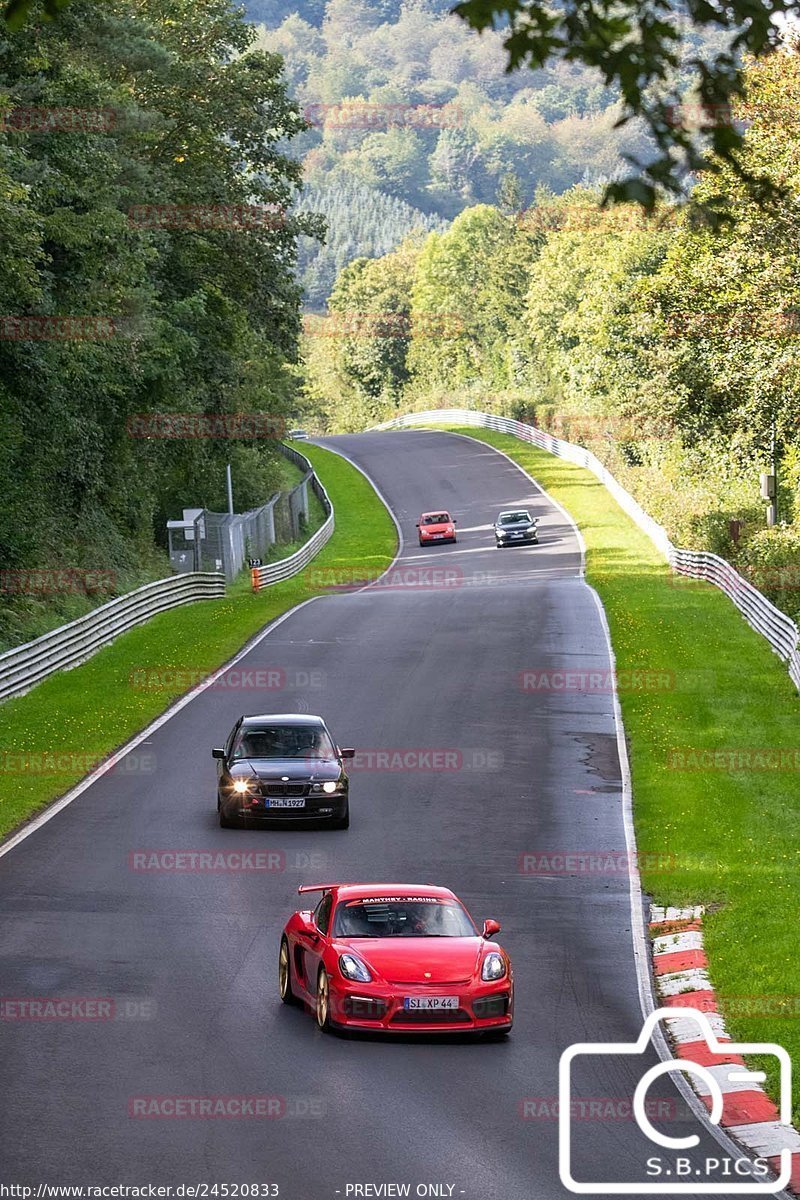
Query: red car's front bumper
point(438, 535)
point(484, 1007)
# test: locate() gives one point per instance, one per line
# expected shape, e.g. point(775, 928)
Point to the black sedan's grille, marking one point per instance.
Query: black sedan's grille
point(284, 789)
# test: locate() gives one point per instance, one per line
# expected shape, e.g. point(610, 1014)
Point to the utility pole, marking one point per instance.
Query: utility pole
point(774, 471)
point(230, 488)
point(769, 482)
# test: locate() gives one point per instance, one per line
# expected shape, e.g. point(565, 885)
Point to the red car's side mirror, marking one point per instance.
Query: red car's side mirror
point(454, 521)
point(490, 928)
point(417, 525)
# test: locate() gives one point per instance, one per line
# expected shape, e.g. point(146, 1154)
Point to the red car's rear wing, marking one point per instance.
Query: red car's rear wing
point(317, 887)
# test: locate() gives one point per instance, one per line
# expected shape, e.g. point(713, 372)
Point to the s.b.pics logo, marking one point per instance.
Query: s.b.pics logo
point(716, 1070)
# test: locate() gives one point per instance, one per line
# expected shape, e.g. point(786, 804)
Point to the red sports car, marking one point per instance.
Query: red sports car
point(395, 957)
point(436, 527)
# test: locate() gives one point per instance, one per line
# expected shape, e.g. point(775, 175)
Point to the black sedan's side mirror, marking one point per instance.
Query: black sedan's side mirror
point(348, 752)
point(218, 752)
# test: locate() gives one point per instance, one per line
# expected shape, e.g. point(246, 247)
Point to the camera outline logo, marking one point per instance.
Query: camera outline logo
point(735, 1073)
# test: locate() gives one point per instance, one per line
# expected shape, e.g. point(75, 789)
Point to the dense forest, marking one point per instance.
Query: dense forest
point(113, 118)
point(360, 221)
point(406, 103)
point(668, 346)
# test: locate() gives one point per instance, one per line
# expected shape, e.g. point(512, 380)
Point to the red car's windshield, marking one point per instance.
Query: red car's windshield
point(414, 917)
point(436, 519)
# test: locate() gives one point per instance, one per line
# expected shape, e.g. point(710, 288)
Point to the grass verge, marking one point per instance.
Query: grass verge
point(88, 712)
point(729, 833)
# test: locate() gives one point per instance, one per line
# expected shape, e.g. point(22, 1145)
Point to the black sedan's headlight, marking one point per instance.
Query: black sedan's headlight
point(243, 786)
point(331, 787)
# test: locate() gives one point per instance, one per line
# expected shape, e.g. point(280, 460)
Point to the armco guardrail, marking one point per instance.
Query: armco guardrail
point(285, 567)
point(25, 666)
point(759, 612)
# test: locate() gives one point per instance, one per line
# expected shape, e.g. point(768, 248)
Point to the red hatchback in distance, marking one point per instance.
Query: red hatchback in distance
point(436, 526)
point(397, 958)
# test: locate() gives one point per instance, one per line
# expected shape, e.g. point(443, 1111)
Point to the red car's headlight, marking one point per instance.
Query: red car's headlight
point(353, 968)
point(494, 967)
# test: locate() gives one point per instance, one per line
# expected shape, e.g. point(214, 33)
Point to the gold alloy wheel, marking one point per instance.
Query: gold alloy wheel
point(283, 971)
point(323, 999)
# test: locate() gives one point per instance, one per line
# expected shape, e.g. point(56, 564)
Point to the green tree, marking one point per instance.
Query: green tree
point(469, 286)
point(637, 48)
point(205, 317)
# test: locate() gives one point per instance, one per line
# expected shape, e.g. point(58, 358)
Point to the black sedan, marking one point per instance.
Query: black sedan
point(282, 767)
point(515, 525)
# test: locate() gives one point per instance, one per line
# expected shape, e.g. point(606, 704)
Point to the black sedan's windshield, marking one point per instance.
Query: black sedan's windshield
point(513, 518)
point(401, 918)
point(283, 741)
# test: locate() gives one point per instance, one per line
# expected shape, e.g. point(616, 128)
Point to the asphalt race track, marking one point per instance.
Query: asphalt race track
point(189, 959)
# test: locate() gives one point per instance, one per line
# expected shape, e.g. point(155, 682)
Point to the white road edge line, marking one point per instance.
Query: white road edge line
point(401, 545)
point(641, 949)
point(62, 802)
